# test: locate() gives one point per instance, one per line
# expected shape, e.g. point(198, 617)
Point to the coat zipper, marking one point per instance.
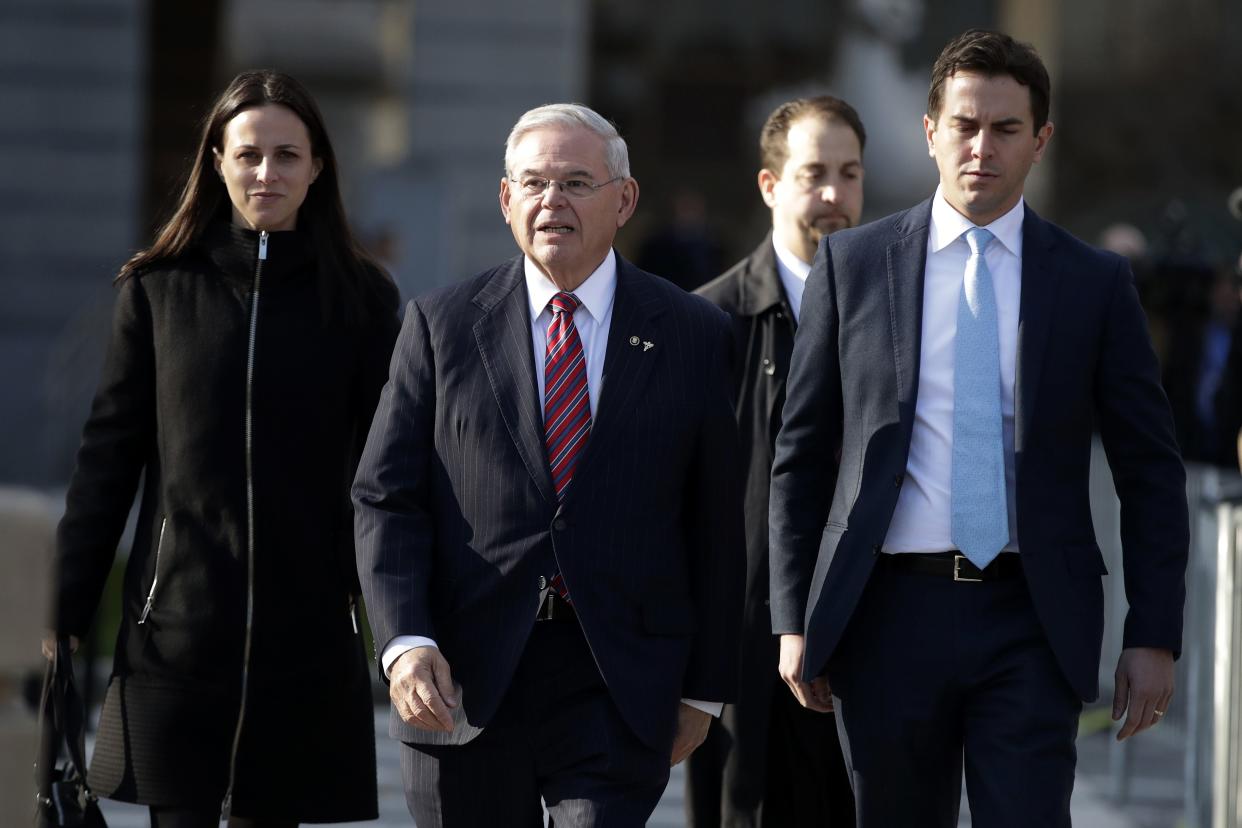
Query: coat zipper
point(227, 806)
point(155, 580)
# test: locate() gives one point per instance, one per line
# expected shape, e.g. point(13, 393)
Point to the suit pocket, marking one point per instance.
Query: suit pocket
point(1084, 560)
point(668, 618)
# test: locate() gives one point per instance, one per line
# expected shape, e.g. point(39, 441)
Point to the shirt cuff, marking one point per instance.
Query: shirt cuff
point(401, 645)
point(712, 709)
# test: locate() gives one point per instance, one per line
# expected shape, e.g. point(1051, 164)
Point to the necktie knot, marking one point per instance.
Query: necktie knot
point(563, 302)
point(978, 238)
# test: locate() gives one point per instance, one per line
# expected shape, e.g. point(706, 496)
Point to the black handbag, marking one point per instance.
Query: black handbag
point(64, 799)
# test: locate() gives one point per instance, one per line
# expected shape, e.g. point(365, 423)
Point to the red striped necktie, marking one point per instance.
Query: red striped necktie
point(566, 400)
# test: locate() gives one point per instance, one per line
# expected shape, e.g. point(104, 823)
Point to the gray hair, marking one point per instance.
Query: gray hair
point(616, 154)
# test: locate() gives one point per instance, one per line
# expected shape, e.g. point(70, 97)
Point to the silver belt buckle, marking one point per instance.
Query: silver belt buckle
point(957, 572)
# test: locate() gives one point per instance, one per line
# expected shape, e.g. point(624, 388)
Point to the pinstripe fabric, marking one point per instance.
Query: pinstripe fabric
point(457, 516)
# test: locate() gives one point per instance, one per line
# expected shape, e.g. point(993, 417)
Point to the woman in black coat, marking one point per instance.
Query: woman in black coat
point(248, 349)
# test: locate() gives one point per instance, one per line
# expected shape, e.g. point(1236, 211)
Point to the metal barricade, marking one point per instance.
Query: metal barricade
point(1226, 661)
point(1207, 711)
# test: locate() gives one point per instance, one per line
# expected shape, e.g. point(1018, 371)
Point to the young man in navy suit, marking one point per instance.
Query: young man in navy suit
point(548, 511)
point(960, 356)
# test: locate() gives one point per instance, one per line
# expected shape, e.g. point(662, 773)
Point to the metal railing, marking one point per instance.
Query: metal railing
point(1207, 711)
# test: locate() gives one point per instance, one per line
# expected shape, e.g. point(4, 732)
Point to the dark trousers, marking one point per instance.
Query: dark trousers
point(557, 736)
point(805, 782)
point(931, 673)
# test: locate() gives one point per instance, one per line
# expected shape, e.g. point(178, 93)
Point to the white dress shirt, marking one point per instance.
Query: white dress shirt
point(593, 320)
point(923, 517)
point(793, 272)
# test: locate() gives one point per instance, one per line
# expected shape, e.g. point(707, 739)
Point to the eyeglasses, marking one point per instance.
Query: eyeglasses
point(533, 186)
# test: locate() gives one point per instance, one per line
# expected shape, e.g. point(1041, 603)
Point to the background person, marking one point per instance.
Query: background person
point(248, 349)
point(768, 760)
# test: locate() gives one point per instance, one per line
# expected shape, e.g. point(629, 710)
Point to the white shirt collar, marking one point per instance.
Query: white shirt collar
point(948, 225)
point(789, 263)
point(595, 294)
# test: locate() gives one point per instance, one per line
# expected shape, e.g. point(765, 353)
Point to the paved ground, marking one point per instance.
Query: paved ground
point(1155, 798)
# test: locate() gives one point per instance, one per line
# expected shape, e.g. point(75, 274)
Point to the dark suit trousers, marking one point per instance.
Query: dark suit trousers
point(557, 736)
point(806, 781)
point(931, 672)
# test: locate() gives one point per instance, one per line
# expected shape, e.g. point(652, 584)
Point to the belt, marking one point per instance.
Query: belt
point(955, 565)
point(555, 608)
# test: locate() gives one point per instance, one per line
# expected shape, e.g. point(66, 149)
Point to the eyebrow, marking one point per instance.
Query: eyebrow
point(570, 174)
point(278, 146)
point(1003, 122)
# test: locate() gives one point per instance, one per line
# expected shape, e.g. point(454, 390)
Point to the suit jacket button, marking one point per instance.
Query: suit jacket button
point(897, 480)
point(560, 524)
point(875, 549)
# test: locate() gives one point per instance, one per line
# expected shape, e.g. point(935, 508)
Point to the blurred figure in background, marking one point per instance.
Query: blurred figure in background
point(769, 761)
point(248, 349)
point(1200, 319)
point(1228, 403)
point(683, 251)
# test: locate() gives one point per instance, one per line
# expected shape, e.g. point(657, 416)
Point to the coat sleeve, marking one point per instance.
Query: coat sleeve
point(117, 440)
point(804, 466)
point(376, 353)
point(716, 535)
point(394, 529)
point(1136, 428)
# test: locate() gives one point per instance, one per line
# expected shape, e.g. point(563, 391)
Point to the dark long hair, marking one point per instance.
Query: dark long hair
point(349, 277)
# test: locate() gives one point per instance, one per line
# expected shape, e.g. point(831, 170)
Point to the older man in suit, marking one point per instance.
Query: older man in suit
point(768, 761)
point(548, 511)
point(960, 356)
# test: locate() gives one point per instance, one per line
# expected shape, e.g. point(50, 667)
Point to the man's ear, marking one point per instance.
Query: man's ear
point(767, 186)
point(1041, 140)
point(629, 201)
point(504, 198)
point(929, 130)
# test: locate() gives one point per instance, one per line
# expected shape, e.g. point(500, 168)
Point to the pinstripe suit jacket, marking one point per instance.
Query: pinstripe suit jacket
point(457, 519)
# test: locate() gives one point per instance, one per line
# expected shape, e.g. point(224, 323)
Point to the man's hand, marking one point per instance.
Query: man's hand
point(692, 725)
point(813, 695)
point(421, 689)
point(48, 645)
point(1144, 684)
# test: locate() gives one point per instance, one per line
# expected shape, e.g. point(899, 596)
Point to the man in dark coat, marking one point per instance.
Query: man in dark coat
point(549, 511)
point(768, 760)
point(960, 355)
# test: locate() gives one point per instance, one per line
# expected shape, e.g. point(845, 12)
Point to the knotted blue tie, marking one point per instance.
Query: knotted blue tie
point(980, 527)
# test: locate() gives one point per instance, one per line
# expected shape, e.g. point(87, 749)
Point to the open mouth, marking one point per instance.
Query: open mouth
point(554, 229)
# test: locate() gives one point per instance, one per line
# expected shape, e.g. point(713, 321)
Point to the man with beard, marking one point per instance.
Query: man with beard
point(769, 761)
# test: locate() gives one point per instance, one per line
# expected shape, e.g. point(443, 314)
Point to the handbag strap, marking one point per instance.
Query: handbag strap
point(62, 718)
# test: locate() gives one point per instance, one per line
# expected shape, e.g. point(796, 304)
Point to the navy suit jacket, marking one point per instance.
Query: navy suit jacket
point(1084, 363)
point(457, 518)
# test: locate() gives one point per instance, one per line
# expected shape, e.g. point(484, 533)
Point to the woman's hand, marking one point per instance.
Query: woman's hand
point(49, 644)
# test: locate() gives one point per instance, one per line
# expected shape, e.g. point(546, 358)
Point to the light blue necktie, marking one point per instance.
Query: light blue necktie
point(980, 526)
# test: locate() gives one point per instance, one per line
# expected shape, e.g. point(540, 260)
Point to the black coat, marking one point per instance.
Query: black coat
point(763, 337)
point(175, 406)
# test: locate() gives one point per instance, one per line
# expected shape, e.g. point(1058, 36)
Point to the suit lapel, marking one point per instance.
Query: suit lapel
point(907, 259)
point(1040, 278)
point(504, 340)
point(627, 362)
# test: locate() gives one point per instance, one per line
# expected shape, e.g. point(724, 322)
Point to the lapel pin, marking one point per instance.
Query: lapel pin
point(647, 346)
point(633, 340)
